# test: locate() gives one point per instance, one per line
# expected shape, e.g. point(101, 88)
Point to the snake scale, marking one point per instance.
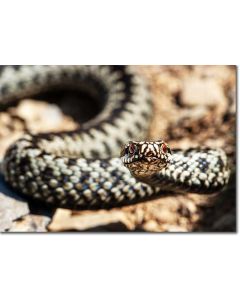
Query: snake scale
point(82, 169)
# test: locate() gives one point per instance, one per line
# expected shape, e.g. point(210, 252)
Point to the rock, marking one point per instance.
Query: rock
point(151, 226)
point(12, 206)
point(67, 220)
point(139, 215)
point(202, 92)
point(34, 113)
point(191, 206)
point(10, 210)
point(165, 216)
point(225, 75)
point(30, 223)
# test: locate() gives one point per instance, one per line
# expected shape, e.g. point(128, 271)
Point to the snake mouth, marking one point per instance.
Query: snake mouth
point(130, 160)
point(127, 160)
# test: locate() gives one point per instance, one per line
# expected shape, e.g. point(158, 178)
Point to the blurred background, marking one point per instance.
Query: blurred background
point(193, 106)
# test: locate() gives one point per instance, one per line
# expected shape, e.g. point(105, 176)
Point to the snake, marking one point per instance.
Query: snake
point(107, 162)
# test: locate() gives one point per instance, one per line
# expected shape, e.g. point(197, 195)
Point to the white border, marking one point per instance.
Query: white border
point(123, 32)
point(117, 266)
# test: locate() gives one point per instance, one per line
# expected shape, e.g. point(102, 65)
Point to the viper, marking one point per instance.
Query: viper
point(82, 169)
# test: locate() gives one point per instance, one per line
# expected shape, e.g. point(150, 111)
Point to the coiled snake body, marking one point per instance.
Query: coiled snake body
point(82, 169)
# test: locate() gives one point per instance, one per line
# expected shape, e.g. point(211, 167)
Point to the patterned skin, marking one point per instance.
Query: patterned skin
point(194, 170)
point(79, 169)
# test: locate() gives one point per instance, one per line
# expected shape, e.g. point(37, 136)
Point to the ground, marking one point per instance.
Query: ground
point(193, 105)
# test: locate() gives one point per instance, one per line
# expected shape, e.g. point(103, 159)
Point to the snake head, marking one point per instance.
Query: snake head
point(145, 158)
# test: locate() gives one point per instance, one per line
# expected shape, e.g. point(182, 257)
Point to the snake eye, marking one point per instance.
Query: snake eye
point(164, 148)
point(132, 148)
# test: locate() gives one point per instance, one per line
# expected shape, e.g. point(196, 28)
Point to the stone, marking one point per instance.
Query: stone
point(34, 113)
point(202, 92)
point(10, 210)
point(151, 226)
point(30, 223)
point(67, 220)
